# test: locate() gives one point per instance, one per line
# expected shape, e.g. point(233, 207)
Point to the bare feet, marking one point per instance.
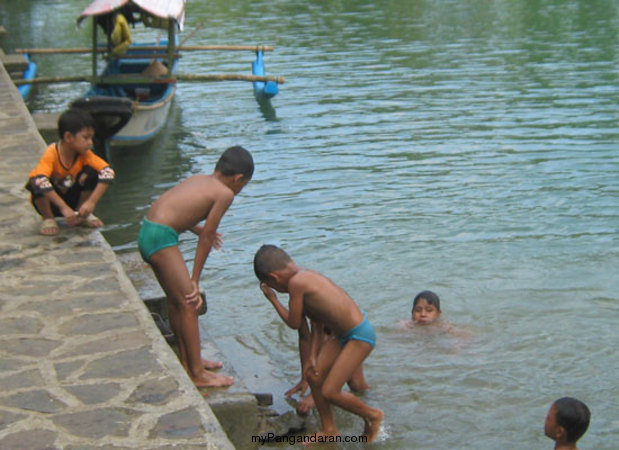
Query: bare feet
point(211, 365)
point(210, 379)
point(372, 425)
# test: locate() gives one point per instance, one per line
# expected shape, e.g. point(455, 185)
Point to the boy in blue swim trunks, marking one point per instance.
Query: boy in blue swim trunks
point(332, 359)
point(196, 199)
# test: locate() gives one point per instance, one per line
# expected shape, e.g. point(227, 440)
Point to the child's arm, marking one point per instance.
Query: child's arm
point(304, 354)
point(287, 316)
point(66, 211)
point(272, 297)
point(206, 240)
point(318, 335)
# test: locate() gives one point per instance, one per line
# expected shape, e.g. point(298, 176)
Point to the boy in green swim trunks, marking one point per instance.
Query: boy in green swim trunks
point(332, 359)
point(182, 208)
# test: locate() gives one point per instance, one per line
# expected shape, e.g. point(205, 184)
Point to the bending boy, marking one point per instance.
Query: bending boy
point(70, 179)
point(198, 198)
point(333, 359)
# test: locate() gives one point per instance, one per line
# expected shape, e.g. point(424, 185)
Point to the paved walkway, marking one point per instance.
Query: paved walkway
point(82, 364)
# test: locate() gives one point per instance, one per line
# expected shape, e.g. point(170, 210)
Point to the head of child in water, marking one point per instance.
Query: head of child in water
point(426, 308)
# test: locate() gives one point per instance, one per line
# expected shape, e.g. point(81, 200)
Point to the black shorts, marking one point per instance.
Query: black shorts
point(85, 181)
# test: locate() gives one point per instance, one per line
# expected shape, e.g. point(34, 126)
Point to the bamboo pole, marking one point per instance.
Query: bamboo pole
point(228, 77)
point(187, 48)
point(179, 77)
point(50, 80)
point(251, 48)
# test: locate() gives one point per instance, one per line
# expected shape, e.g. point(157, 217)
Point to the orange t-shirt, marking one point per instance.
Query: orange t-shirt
point(50, 173)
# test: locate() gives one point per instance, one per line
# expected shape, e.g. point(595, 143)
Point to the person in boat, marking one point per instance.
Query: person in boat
point(182, 208)
point(70, 179)
point(332, 359)
point(120, 35)
point(566, 422)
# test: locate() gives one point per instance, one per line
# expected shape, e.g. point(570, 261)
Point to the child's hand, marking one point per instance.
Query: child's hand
point(219, 242)
point(194, 296)
point(71, 217)
point(311, 372)
point(301, 387)
point(267, 291)
point(86, 209)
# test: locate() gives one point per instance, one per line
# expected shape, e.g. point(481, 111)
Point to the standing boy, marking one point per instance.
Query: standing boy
point(566, 422)
point(198, 198)
point(70, 179)
point(333, 359)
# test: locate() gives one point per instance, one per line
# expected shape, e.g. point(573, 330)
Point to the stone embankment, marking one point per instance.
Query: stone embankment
point(82, 364)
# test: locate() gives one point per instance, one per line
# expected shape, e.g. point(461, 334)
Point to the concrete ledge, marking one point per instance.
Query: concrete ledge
point(82, 365)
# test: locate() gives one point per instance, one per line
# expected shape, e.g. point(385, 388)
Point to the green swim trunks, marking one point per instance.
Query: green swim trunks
point(154, 237)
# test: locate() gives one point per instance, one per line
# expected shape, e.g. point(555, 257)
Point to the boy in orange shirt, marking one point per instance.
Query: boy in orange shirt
point(70, 179)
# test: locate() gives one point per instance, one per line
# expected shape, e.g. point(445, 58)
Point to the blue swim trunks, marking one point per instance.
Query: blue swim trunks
point(154, 237)
point(362, 332)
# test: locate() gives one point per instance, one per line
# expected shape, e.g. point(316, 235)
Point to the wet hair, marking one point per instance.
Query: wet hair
point(236, 160)
point(74, 120)
point(429, 297)
point(573, 415)
point(268, 259)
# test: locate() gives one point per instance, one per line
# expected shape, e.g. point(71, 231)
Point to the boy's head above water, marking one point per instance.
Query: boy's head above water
point(426, 308)
point(567, 420)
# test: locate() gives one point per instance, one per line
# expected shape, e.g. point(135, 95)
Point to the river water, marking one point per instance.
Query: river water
point(469, 148)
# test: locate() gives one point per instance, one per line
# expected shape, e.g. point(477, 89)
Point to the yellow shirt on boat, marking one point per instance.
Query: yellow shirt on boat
point(121, 36)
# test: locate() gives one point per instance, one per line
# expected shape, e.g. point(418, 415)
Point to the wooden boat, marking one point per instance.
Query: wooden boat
point(29, 74)
point(131, 97)
point(143, 75)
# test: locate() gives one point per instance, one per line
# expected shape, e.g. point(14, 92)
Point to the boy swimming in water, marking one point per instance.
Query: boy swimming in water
point(566, 422)
point(198, 198)
point(334, 359)
point(426, 308)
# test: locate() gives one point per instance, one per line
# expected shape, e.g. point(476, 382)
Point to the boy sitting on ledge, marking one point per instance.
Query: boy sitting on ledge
point(70, 179)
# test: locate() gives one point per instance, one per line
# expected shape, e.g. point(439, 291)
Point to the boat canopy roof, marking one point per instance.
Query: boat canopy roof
point(153, 13)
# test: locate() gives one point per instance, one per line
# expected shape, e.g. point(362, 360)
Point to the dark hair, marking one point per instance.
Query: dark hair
point(429, 297)
point(573, 415)
point(236, 160)
point(268, 259)
point(74, 120)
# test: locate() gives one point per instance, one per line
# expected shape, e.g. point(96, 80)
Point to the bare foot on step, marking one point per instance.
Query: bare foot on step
point(210, 379)
point(211, 365)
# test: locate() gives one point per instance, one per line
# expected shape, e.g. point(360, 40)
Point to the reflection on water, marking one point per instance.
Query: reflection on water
point(469, 148)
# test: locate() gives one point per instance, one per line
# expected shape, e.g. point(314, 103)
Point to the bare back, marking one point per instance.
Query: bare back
point(326, 302)
point(190, 202)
